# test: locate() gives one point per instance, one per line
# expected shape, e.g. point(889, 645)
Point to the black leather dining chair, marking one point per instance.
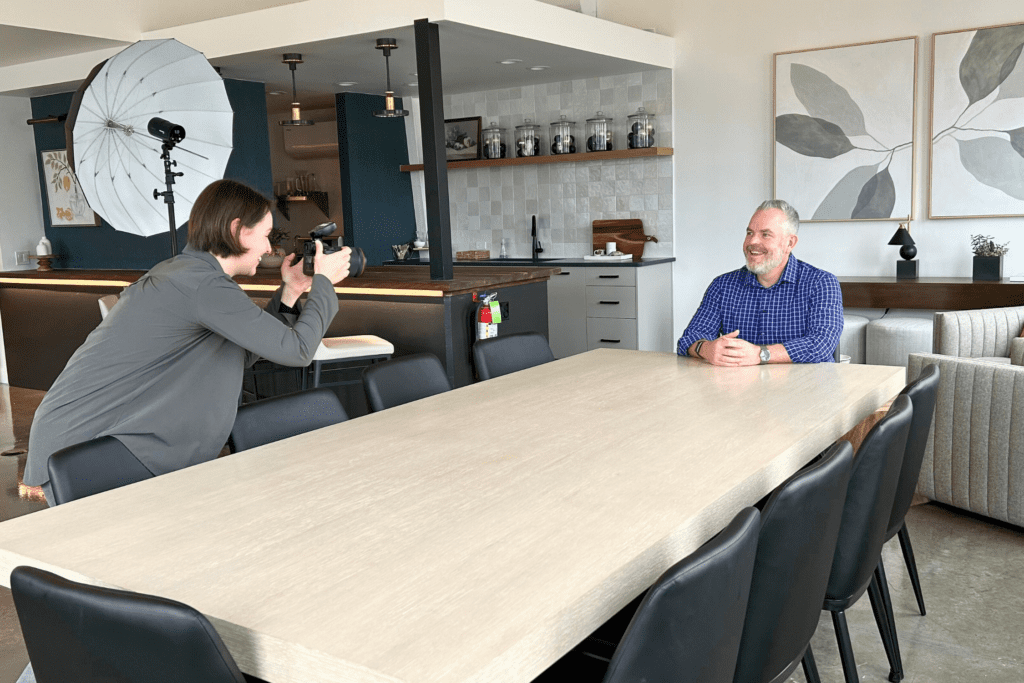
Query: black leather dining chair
point(796, 544)
point(404, 379)
point(688, 625)
point(869, 501)
point(92, 467)
point(273, 419)
point(77, 632)
point(499, 356)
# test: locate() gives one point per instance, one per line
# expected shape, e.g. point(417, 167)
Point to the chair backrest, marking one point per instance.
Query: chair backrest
point(922, 393)
point(983, 332)
point(273, 419)
point(106, 303)
point(499, 356)
point(77, 632)
point(93, 467)
point(869, 500)
point(796, 544)
point(688, 626)
point(404, 379)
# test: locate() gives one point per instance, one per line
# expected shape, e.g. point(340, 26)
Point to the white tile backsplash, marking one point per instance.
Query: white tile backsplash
point(492, 204)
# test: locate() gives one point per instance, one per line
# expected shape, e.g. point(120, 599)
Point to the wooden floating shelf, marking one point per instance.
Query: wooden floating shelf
point(553, 159)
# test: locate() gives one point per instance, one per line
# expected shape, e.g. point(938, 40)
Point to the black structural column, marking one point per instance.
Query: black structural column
point(435, 166)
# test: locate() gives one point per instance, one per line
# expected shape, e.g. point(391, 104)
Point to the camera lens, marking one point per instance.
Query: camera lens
point(356, 263)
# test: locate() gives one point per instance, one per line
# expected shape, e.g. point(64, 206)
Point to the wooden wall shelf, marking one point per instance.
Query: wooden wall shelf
point(552, 159)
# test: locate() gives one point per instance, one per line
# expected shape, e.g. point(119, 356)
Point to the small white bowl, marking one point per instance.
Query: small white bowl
point(419, 244)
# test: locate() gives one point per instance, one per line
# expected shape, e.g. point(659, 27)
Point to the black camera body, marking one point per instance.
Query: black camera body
point(357, 261)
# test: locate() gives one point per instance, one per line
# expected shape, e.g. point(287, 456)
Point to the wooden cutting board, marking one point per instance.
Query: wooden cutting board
point(627, 233)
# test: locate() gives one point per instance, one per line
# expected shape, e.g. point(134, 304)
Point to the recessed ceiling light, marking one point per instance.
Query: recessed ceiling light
point(538, 68)
point(413, 74)
point(345, 84)
point(277, 92)
point(509, 61)
point(413, 85)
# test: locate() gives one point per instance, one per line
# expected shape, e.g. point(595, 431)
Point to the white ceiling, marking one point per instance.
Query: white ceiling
point(24, 45)
point(469, 63)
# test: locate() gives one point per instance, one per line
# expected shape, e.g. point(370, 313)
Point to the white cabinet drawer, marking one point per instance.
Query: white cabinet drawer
point(611, 276)
point(611, 333)
point(611, 302)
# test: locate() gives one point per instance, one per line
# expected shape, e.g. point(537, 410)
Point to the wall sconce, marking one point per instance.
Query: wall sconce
point(389, 111)
point(907, 268)
point(291, 59)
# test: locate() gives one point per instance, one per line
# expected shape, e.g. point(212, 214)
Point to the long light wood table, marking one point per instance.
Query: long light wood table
point(473, 536)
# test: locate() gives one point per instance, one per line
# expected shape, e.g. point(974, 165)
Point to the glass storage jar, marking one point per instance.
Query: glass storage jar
point(563, 139)
point(641, 130)
point(527, 139)
point(599, 133)
point(494, 147)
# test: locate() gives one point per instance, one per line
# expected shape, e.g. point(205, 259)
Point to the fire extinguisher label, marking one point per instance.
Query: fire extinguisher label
point(486, 330)
point(495, 312)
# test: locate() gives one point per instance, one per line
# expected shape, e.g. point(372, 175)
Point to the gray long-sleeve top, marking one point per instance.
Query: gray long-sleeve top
point(162, 373)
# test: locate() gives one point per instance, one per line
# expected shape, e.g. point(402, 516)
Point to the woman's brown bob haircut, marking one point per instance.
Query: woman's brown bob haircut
point(209, 225)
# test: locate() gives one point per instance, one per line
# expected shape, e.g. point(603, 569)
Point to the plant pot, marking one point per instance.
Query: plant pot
point(988, 268)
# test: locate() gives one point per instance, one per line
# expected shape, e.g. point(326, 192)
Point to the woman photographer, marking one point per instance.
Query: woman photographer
point(162, 373)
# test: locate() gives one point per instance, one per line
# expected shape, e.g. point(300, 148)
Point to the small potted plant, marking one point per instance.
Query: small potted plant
point(988, 257)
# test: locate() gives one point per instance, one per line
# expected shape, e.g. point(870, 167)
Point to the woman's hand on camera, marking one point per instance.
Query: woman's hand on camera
point(333, 266)
point(295, 281)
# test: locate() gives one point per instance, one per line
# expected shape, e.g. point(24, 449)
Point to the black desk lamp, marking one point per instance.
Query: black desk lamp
point(907, 268)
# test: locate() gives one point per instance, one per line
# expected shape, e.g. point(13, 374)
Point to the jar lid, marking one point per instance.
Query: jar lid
point(599, 118)
point(527, 123)
point(562, 119)
point(641, 113)
point(493, 126)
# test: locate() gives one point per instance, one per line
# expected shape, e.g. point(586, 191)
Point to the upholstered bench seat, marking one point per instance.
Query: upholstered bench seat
point(891, 340)
point(853, 342)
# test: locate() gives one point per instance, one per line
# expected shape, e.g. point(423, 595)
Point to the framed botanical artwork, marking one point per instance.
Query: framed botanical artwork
point(976, 165)
point(462, 138)
point(843, 131)
point(64, 195)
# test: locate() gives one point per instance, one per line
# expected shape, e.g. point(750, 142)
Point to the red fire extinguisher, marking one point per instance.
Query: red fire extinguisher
point(488, 315)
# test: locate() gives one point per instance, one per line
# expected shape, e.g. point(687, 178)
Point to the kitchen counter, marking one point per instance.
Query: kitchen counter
point(516, 263)
point(46, 316)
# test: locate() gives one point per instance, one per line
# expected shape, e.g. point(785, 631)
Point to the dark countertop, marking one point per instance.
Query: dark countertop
point(546, 263)
point(375, 280)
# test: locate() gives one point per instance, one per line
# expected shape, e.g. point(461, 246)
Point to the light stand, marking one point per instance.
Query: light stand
point(171, 134)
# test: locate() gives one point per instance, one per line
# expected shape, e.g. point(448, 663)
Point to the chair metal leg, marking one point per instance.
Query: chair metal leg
point(886, 627)
point(908, 558)
point(896, 674)
point(845, 647)
point(810, 668)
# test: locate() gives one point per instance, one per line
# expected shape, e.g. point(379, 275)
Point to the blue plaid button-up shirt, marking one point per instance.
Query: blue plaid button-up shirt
point(803, 311)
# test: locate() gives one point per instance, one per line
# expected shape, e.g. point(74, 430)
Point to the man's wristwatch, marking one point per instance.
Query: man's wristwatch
point(766, 355)
point(696, 349)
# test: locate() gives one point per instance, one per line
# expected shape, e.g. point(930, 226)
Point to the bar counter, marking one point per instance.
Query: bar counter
point(47, 315)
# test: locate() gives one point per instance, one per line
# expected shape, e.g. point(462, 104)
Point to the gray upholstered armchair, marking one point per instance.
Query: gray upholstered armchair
point(975, 454)
point(988, 333)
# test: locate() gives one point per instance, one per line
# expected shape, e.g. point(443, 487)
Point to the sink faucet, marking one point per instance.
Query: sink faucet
point(537, 249)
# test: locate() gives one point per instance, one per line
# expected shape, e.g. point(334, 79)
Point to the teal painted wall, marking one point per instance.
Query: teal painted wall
point(102, 247)
point(377, 197)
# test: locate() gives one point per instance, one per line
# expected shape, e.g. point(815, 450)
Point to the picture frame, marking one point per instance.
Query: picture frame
point(843, 132)
point(67, 204)
point(976, 132)
point(462, 138)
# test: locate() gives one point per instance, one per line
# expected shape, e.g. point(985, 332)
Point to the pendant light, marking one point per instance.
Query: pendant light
point(389, 111)
point(291, 59)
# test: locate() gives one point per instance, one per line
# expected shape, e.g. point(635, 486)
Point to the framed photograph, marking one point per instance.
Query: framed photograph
point(64, 195)
point(976, 165)
point(844, 131)
point(462, 138)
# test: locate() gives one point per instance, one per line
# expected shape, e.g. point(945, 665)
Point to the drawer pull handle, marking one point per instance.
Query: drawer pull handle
point(610, 303)
point(608, 277)
point(564, 273)
point(610, 341)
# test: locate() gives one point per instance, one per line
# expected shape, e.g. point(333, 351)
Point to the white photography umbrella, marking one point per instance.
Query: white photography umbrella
point(117, 160)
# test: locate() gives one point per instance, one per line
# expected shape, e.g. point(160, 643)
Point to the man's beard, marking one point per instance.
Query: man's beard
point(766, 266)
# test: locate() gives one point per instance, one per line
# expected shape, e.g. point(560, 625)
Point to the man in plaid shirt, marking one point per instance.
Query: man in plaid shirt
point(777, 309)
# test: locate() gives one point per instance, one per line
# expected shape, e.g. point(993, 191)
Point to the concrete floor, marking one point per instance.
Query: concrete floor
point(972, 573)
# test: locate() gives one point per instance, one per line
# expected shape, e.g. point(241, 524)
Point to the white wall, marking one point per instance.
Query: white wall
point(722, 130)
point(21, 221)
